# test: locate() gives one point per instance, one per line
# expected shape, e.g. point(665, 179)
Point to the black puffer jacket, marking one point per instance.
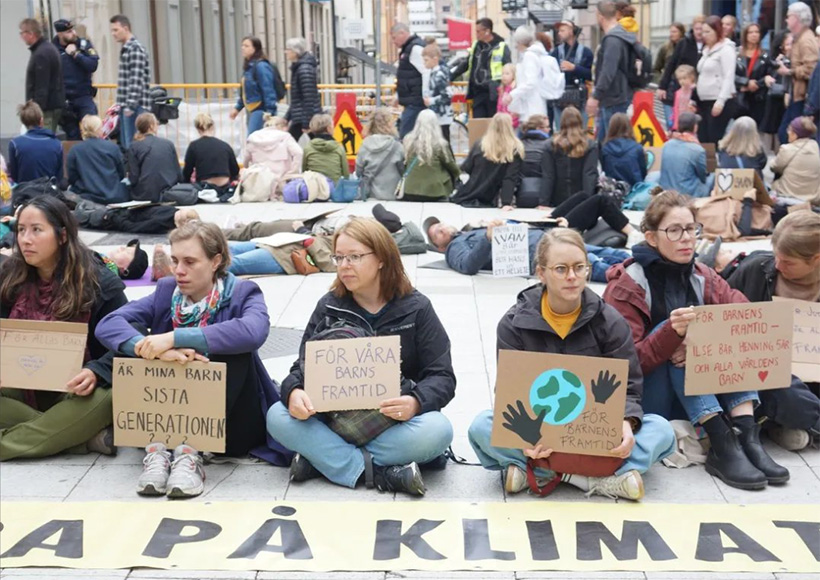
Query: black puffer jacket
point(304, 92)
point(44, 77)
point(425, 346)
point(753, 274)
point(599, 331)
point(564, 176)
point(686, 52)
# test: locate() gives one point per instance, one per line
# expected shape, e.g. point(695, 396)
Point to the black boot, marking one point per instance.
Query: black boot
point(406, 478)
point(726, 459)
point(750, 443)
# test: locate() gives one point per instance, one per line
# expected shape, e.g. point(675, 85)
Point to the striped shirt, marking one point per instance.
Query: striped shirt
point(134, 76)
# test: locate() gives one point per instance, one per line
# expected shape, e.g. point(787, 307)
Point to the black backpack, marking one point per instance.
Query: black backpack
point(639, 71)
point(278, 83)
point(35, 188)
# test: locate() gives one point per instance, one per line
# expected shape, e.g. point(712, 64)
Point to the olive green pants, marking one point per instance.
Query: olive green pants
point(66, 423)
point(51, 120)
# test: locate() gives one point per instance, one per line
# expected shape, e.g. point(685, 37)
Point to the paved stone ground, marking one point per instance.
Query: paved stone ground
point(469, 308)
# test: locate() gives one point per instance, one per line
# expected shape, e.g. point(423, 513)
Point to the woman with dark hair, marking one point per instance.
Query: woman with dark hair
point(716, 82)
point(676, 33)
point(777, 85)
point(201, 313)
point(570, 161)
point(372, 296)
point(258, 91)
point(52, 276)
point(621, 156)
point(752, 68)
point(305, 101)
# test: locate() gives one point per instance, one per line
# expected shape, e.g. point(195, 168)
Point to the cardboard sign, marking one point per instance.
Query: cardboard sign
point(806, 339)
point(39, 355)
point(169, 403)
point(739, 347)
point(476, 129)
point(281, 239)
point(511, 251)
point(352, 373)
point(736, 182)
point(564, 402)
point(530, 216)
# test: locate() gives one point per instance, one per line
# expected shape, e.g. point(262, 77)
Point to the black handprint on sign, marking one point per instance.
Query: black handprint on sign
point(520, 423)
point(604, 387)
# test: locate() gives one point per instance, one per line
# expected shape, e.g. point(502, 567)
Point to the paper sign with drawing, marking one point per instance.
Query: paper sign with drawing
point(352, 373)
point(736, 182)
point(511, 251)
point(806, 340)
point(568, 403)
point(739, 347)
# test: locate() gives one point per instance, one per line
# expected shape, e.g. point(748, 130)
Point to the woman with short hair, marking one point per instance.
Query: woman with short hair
point(372, 296)
point(431, 171)
point(258, 89)
point(741, 147)
point(153, 164)
point(211, 159)
point(305, 101)
point(796, 170)
point(95, 166)
point(380, 159)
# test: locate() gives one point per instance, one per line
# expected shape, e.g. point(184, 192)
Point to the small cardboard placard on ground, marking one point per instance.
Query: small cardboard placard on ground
point(739, 347)
point(511, 251)
point(736, 182)
point(281, 239)
point(352, 373)
point(476, 128)
point(529, 216)
point(566, 403)
point(806, 340)
point(39, 355)
point(169, 403)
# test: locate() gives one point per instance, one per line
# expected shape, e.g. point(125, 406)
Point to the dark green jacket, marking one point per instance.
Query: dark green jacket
point(434, 181)
point(327, 157)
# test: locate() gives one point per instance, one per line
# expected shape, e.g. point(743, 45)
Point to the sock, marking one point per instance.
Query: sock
point(579, 481)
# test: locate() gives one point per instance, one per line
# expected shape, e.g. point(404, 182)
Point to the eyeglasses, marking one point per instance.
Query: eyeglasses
point(352, 259)
point(675, 233)
point(562, 270)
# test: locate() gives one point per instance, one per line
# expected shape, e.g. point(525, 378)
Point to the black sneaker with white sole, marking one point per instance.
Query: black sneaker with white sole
point(301, 469)
point(403, 478)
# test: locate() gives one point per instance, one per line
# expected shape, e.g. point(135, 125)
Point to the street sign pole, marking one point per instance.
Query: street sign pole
point(377, 5)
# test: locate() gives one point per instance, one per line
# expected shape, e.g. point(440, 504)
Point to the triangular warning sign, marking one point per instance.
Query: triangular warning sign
point(348, 134)
point(646, 131)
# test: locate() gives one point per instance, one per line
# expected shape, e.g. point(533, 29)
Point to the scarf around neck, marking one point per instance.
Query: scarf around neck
point(186, 313)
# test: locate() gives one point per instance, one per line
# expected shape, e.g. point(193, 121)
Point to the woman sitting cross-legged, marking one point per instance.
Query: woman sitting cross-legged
point(655, 291)
point(373, 295)
point(202, 313)
point(561, 316)
point(95, 166)
point(52, 276)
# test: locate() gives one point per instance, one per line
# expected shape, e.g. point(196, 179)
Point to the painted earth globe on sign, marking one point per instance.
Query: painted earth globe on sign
point(561, 393)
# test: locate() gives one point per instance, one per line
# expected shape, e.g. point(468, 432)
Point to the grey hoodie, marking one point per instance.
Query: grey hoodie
point(611, 65)
point(379, 166)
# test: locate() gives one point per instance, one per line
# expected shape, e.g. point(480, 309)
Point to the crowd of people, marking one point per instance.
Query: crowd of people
point(536, 153)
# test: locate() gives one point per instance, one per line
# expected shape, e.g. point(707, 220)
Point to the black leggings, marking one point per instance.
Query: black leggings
point(296, 130)
point(583, 210)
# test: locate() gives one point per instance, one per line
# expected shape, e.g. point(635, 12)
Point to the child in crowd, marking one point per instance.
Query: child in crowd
point(440, 97)
point(507, 85)
point(323, 154)
point(686, 77)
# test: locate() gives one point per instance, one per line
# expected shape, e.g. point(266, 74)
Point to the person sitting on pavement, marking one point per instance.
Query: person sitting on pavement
point(373, 294)
point(95, 166)
point(534, 135)
point(494, 166)
point(622, 158)
point(741, 147)
point(431, 171)
point(210, 159)
point(796, 170)
point(323, 154)
point(570, 162)
point(559, 315)
point(52, 276)
point(37, 152)
point(202, 313)
point(380, 160)
point(685, 170)
point(655, 292)
point(153, 164)
point(274, 148)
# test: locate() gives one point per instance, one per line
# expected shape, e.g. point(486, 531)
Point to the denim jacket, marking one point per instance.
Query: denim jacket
point(258, 90)
point(683, 168)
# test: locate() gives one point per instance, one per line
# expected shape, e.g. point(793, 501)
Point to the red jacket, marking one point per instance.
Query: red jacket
point(626, 292)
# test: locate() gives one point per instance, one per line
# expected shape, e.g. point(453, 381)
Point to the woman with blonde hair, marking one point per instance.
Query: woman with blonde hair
point(570, 161)
point(741, 147)
point(153, 164)
point(430, 168)
point(380, 160)
point(274, 148)
point(372, 296)
point(494, 166)
point(95, 166)
point(210, 159)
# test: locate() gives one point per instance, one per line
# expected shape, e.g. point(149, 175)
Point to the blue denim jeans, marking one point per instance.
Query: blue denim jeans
point(408, 120)
point(668, 112)
point(600, 259)
point(654, 441)
point(605, 114)
point(256, 121)
point(248, 259)
point(128, 126)
point(421, 439)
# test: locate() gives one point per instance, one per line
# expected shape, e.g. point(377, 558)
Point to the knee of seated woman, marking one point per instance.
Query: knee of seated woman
point(481, 427)
point(436, 429)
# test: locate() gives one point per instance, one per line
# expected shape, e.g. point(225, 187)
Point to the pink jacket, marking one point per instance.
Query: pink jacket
point(275, 149)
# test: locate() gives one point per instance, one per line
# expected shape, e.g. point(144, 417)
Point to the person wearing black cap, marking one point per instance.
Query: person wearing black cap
point(79, 61)
point(686, 172)
point(575, 60)
point(131, 260)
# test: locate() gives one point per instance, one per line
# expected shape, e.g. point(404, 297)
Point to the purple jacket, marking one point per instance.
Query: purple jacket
point(241, 325)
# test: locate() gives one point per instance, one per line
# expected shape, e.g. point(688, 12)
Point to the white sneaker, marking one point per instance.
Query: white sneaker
point(634, 237)
point(789, 439)
point(156, 467)
point(628, 485)
point(515, 480)
point(187, 477)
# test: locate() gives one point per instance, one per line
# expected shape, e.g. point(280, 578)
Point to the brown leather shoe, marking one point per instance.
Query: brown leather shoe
point(303, 263)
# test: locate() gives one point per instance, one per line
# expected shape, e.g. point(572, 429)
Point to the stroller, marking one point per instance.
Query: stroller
point(164, 107)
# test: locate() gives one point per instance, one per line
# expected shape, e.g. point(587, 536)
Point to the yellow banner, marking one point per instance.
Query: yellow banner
point(529, 535)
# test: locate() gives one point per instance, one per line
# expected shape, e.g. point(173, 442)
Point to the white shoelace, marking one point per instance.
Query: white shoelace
point(156, 461)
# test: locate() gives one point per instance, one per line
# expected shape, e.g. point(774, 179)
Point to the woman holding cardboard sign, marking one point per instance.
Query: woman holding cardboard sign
point(655, 291)
point(203, 312)
point(373, 296)
point(53, 276)
point(561, 316)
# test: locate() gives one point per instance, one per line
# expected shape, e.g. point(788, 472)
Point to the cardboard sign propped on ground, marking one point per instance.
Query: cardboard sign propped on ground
point(806, 339)
point(566, 403)
point(170, 403)
point(476, 129)
point(39, 355)
point(529, 216)
point(511, 251)
point(739, 347)
point(736, 182)
point(352, 373)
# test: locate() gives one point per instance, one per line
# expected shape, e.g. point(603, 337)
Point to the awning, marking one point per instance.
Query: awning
point(364, 58)
point(513, 23)
point(546, 17)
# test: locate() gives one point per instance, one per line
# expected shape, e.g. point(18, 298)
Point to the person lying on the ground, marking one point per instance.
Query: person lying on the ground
point(52, 276)
point(131, 260)
point(373, 295)
point(203, 313)
point(561, 316)
point(151, 219)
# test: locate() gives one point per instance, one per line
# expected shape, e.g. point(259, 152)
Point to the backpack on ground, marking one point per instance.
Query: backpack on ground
point(27, 190)
point(258, 183)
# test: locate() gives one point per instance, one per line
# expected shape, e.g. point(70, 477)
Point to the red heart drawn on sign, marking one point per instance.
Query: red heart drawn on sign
point(762, 375)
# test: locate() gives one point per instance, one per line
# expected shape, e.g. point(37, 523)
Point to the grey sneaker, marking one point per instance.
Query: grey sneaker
point(187, 474)
point(103, 442)
point(628, 485)
point(789, 439)
point(156, 467)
